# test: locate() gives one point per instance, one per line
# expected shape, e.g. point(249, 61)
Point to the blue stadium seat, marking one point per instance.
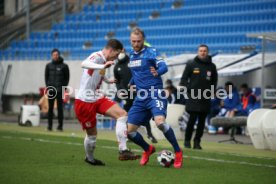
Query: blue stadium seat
point(221, 24)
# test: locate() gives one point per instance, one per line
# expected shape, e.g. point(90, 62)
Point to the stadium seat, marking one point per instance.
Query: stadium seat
point(223, 25)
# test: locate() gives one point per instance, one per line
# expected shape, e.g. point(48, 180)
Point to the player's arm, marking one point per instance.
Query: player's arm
point(109, 81)
point(92, 64)
point(161, 66)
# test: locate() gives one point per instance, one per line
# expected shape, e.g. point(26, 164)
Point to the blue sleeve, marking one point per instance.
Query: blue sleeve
point(159, 63)
point(162, 68)
point(233, 103)
point(236, 101)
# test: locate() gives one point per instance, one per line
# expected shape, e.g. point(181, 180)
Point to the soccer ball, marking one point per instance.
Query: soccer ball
point(165, 158)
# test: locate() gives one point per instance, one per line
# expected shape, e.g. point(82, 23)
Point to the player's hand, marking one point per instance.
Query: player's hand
point(111, 81)
point(108, 64)
point(153, 71)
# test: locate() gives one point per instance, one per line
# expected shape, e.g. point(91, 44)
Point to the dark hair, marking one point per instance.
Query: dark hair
point(203, 45)
point(229, 83)
point(114, 44)
point(55, 50)
point(137, 31)
point(169, 81)
point(244, 86)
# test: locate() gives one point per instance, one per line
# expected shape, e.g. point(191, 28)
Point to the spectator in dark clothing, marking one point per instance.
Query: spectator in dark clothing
point(248, 99)
point(171, 94)
point(56, 79)
point(123, 75)
point(169, 84)
point(198, 76)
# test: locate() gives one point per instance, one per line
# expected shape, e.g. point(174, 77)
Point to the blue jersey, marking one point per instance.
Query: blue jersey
point(140, 63)
point(145, 108)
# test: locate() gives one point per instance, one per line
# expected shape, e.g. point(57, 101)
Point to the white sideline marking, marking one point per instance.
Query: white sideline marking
point(116, 148)
point(239, 155)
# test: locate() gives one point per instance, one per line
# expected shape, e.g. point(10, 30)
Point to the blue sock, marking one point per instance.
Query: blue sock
point(137, 138)
point(169, 134)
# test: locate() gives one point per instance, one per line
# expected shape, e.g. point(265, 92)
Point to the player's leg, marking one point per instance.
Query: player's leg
point(86, 114)
point(138, 115)
point(167, 131)
point(138, 139)
point(90, 145)
point(109, 108)
point(150, 135)
point(121, 117)
point(158, 109)
point(170, 136)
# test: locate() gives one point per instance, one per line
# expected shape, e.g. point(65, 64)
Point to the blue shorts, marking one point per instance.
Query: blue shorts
point(143, 110)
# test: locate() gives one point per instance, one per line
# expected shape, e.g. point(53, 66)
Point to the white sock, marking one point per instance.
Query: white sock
point(89, 146)
point(121, 132)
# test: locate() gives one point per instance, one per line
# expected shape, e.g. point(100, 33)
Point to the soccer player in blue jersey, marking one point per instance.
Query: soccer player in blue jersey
point(146, 68)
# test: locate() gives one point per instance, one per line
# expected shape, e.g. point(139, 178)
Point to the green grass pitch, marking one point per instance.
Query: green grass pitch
point(32, 155)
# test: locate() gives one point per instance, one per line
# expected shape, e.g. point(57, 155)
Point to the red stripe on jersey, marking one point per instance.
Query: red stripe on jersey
point(92, 57)
point(90, 72)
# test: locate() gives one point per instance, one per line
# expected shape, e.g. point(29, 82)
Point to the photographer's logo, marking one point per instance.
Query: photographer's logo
point(50, 92)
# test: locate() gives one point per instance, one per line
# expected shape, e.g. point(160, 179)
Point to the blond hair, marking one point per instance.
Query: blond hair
point(138, 31)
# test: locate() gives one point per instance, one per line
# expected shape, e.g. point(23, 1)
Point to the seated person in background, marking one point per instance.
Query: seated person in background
point(44, 106)
point(231, 105)
point(67, 103)
point(171, 91)
point(248, 100)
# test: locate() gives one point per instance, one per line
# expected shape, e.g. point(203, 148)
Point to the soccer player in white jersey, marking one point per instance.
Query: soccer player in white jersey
point(89, 102)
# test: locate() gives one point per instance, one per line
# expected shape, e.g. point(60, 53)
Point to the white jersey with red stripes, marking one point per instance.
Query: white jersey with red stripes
point(91, 79)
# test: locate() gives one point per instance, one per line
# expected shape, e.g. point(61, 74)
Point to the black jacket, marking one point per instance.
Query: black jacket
point(122, 73)
point(57, 74)
point(197, 75)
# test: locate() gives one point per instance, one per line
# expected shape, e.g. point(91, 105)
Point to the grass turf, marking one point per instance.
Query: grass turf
point(28, 156)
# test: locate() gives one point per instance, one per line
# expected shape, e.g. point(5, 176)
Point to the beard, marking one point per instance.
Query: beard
point(138, 48)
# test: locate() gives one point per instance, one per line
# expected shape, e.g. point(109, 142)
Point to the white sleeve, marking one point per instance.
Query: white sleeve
point(91, 64)
point(105, 79)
